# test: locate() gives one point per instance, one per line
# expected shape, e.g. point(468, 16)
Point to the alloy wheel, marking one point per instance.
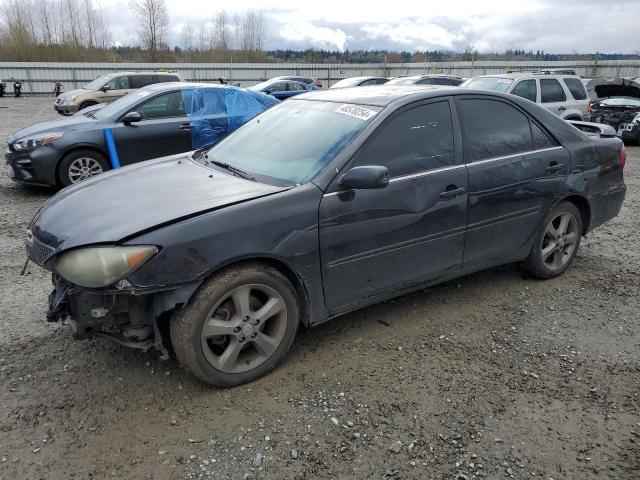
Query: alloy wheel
point(83, 168)
point(244, 328)
point(559, 241)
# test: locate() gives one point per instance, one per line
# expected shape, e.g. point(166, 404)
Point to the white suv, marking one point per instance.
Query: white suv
point(563, 95)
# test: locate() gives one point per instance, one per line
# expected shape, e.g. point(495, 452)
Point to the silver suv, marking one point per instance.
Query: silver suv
point(563, 95)
point(108, 88)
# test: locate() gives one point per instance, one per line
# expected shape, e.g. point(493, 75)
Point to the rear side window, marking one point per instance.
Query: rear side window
point(426, 81)
point(373, 81)
point(551, 91)
point(417, 140)
point(139, 81)
point(494, 129)
point(526, 89)
point(540, 138)
point(576, 88)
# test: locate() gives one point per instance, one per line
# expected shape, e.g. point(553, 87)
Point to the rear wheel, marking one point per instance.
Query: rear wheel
point(238, 326)
point(556, 243)
point(81, 165)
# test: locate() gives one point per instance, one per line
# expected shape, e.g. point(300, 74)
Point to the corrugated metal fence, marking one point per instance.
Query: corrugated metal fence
point(40, 77)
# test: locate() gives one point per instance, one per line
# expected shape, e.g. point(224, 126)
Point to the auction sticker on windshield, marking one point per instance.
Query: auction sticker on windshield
point(356, 111)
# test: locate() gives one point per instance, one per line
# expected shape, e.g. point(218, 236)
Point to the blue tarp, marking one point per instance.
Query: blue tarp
point(215, 111)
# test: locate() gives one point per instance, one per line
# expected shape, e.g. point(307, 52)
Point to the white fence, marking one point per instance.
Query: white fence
point(39, 77)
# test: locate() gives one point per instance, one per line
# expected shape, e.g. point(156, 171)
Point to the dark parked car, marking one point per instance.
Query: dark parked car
point(622, 113)
point(430, 79)
point(360, 82)
point(155, 121)
point(283, 89)
point(321, 205)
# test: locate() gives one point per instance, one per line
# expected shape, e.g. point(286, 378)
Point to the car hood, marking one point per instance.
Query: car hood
point(66, 124)
point(122, 203)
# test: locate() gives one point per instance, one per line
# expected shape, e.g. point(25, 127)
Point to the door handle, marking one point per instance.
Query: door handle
point(185, 126)
point(562, 109)
point(554, 167)
point(452, 191)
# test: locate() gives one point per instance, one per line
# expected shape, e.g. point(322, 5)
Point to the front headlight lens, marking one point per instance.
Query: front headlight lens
point(95, 267)
point(73, 98)
point(29, 143)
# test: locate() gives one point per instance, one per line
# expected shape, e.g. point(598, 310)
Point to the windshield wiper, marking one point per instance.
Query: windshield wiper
point(234, 170)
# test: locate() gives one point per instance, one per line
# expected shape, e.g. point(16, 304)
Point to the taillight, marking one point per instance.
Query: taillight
point(623, 157)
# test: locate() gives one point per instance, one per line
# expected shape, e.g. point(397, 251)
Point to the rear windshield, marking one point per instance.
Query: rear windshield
point(495, 84)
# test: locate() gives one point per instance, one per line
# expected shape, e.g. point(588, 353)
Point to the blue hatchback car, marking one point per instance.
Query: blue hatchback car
point(283, 89)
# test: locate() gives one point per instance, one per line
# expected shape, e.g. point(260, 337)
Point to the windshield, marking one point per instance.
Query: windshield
point(291, 142)
point(615, 102)
point(495, 84)
point(348, 82)
point(123, 103)
point(403, 81)
point(97, 83)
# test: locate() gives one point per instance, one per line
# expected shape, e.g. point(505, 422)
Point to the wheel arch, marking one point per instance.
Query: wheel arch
point(281, 266)
point(583, 207)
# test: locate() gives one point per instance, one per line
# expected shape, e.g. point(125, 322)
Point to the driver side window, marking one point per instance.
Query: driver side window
point(163, 106)
point(118, 83)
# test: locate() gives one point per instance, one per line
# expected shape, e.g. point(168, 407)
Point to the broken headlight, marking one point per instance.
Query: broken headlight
point(95, 267)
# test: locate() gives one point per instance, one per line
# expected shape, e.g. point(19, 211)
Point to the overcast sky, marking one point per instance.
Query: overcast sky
point(567, 26)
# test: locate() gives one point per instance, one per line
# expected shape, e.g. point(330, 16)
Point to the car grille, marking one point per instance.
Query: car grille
point(38, 251)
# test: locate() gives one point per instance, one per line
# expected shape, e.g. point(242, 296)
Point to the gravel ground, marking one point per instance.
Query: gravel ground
point(490, 376)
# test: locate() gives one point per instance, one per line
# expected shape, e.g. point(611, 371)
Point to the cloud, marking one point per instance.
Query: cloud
point(412, 34)
point(306, 33)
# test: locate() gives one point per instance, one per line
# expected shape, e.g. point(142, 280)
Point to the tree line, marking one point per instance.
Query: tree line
point(75, 30)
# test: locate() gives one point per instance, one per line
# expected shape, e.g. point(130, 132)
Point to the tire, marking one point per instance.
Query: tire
point(237, 346)
point(84, 105)
point(80, 165)
point(555, 245)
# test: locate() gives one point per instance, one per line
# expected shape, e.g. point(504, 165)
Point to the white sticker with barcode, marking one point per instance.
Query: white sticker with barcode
point(356, 111)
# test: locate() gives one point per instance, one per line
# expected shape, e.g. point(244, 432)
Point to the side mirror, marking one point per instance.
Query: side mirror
point(104, 88)
point(365, 177)
point(131, 117)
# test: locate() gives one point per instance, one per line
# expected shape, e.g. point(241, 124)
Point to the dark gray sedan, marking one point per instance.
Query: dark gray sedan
point(161, 119)
point(320, 206)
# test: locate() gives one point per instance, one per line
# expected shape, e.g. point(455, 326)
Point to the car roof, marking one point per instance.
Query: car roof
point(161, 87)
point(378, 95)
point(117, 74)
point(514, 75)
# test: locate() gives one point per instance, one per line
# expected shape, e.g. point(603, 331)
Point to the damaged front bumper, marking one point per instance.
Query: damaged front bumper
point(124, 314)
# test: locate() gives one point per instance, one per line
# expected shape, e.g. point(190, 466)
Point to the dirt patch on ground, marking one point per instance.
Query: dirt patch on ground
point(490, 376)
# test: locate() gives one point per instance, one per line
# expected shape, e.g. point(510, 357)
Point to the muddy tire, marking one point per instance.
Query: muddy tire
point(556, 243)
point(238, 326)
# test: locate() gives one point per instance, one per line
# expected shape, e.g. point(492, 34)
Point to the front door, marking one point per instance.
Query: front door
point(164, 130)
point(552, 96)
point(516, 171)
point(377, 241)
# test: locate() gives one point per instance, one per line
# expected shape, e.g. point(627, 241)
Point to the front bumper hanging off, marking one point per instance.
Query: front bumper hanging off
point(126, 316)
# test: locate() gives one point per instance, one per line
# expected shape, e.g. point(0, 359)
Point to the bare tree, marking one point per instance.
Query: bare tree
point(153, 22)
point(222, 31)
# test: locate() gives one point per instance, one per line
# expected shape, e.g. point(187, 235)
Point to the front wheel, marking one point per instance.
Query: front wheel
point(557, 242)
point(81, 165)
point(238, 326)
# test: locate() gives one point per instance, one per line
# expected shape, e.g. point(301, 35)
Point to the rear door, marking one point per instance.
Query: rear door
point(552, 96)
point(516, 172)
point(163, 130)
point(377, 241)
